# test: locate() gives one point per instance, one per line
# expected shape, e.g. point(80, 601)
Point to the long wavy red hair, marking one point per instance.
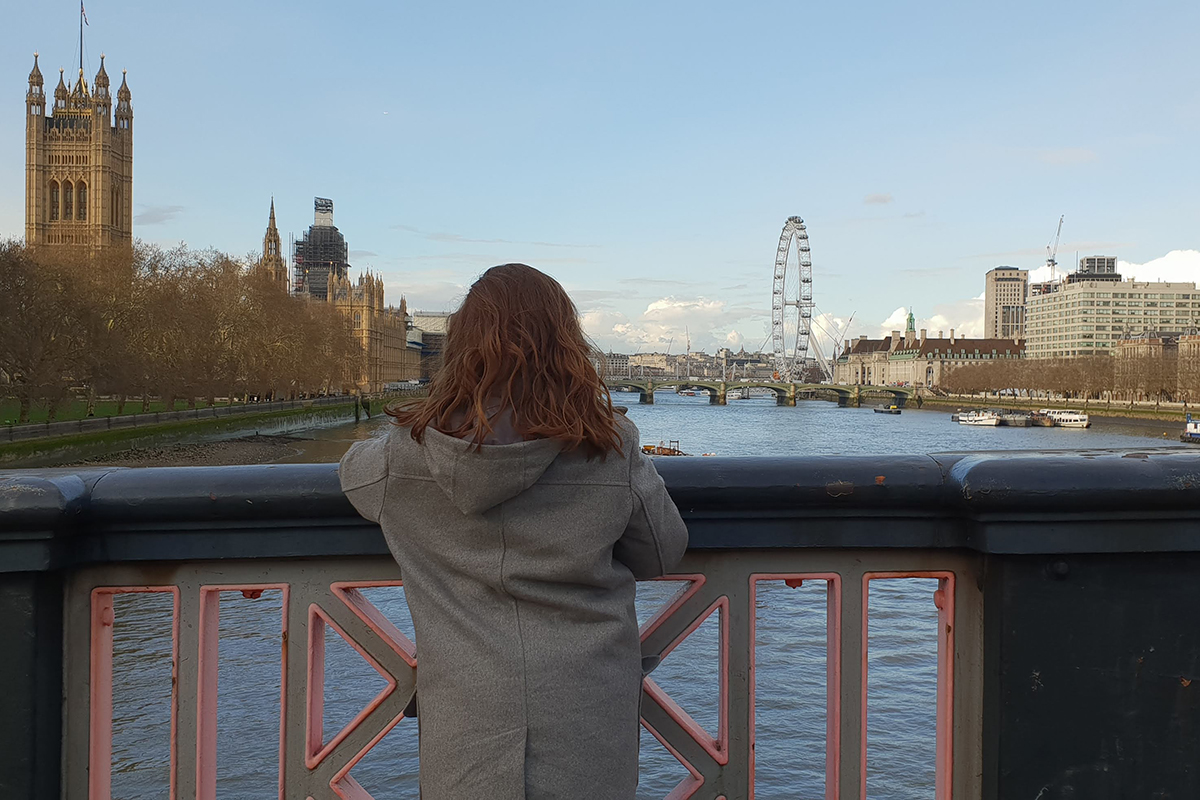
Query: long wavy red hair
point(516, 344)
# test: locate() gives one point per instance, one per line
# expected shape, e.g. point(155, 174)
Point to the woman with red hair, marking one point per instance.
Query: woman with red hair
point(521, 510)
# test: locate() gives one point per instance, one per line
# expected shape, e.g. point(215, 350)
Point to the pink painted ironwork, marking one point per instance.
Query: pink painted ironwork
point(719, 763)
point(944, 600)
point(833, 669)
point(688, 786)
point(348, 592)
point(101, 698)
point(315, 752)
point(715, 747)
point(345, 786)
point(208, 629)
point(685, 593)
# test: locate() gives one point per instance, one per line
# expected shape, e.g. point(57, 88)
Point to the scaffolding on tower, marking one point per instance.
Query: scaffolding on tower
point(320, 252)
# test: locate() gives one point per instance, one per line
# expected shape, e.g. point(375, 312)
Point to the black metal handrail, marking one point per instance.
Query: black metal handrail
point(1017, 503)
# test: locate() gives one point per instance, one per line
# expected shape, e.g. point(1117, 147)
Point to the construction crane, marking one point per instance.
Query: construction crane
point(835, 339)
point(1052, 249)
point(688, 362)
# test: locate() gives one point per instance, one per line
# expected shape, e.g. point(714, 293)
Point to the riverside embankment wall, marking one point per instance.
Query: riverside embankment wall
point(186, 428)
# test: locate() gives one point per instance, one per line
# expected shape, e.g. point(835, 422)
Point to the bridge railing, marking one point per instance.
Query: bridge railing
point(1062, 656)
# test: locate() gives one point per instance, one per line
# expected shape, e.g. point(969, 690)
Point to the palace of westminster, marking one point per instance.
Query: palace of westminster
point(79, 193)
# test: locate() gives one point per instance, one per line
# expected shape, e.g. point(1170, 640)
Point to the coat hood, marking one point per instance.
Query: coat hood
point(476, 480)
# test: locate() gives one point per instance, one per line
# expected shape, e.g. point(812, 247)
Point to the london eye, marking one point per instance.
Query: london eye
point(792, 300)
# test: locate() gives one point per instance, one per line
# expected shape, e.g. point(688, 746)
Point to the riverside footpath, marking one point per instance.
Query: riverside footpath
point(82, 440)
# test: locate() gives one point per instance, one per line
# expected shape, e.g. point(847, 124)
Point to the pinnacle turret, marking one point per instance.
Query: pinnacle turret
point(35, 75)
point(35, 98)
point(61, 92)
point(101, 82)
point(124, 115)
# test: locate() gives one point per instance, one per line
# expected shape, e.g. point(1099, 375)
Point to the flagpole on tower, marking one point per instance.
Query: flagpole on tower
point(82, 21)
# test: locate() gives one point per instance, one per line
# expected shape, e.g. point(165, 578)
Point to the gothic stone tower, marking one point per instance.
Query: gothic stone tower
point(272, 254)
point(78, 163)
point(382, 332)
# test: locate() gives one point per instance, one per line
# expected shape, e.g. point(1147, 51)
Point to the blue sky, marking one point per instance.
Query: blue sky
point(647, 154)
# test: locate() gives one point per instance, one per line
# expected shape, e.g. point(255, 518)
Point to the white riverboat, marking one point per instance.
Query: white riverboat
point(1066, 419)
point(985, 418)
point(1191, 431)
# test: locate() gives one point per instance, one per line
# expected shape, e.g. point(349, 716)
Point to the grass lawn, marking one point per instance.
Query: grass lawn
point(77, 409)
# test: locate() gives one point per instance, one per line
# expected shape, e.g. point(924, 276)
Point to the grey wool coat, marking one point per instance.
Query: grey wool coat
point(519, 564)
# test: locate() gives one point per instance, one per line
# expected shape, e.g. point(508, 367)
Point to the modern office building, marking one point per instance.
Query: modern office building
point(1085, 316)
point(1005, 292)
point(1098, 266)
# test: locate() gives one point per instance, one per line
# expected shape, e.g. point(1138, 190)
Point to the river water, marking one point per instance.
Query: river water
point(790, 708)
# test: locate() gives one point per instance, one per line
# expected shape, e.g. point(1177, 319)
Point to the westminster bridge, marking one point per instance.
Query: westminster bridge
point(785, 393)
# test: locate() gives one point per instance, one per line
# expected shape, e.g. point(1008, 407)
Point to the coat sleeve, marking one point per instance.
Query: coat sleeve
point(655, 537)
point(363, 473)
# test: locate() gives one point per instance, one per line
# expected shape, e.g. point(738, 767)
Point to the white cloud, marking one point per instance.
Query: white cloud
point(1177, 265)
point(880, 199)
point(668, 321)
point(896, 321)
point(830, 331)
point(964, 317)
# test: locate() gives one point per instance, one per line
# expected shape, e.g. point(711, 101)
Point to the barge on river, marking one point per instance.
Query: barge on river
point(660, 449)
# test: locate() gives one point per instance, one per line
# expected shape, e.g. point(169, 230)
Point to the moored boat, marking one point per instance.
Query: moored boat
point(669, 449)
point(892, 409)
point(1191, 431)
point(1015, 419)
point(1066, 419)
point(979, 417)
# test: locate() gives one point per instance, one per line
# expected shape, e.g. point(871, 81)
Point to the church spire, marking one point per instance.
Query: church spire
point(272, 253)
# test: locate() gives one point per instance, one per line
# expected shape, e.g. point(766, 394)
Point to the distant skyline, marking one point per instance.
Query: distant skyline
point(647, 155)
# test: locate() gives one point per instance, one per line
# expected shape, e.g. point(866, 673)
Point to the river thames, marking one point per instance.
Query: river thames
point(790, 713)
